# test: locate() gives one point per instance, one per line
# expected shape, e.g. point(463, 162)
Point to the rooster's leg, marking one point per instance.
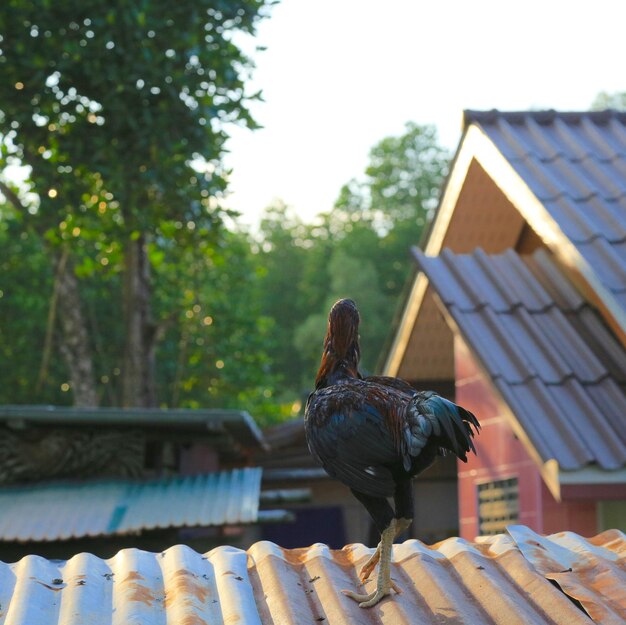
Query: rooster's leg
point(370, 565)
point(384, 584)
point(403, 499)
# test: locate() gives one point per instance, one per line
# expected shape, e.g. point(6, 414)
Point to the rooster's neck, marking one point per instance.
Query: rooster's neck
point(334, 369)
point(341, 355)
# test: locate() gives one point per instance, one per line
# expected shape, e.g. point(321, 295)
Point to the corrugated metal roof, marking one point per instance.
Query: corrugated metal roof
point(517, 578)
point(552, 359)
point(575, 164)
point(238, 425)
point(59, 511)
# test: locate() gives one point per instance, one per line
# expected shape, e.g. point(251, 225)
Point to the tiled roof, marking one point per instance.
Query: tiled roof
point(517, 578)
point(575, 164)
point(554, 362)
point(59, 511)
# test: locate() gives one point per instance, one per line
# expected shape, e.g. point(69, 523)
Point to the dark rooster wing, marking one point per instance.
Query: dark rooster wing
point(353, 430)
point(367, 433)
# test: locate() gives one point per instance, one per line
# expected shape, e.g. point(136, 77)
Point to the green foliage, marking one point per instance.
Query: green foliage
point(215, 343)
point(26, 275)
point(358, 250)
point(118, 112)
point(216, 353)
point(283, 258)
point(606, 100)
point(402, 180)
point(120, 108)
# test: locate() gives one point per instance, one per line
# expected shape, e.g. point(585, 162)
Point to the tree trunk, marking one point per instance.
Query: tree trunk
point(139, 386)
point(74, 345)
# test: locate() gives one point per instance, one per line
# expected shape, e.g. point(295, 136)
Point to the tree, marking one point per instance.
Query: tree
point(282, 258)
point(373, 224)
point(606, 100)
point(217, 353)
point(119, 110)
point(26, 276)
point(402, 180)
point(358, 250)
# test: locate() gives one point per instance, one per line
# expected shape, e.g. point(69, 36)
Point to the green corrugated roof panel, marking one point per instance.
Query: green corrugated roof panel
point(63, 510)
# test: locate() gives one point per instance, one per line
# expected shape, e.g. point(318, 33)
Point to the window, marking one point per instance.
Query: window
point(498, 505)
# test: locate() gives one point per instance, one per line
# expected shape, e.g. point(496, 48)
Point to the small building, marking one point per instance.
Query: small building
point(518, 309)
point(102, 479)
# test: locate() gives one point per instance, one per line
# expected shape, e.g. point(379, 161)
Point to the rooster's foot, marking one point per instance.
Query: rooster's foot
point(368, 600)
point(370, 565)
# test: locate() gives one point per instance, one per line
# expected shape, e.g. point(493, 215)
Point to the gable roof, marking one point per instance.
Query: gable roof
point(510, 579)
point(563, 174)
point(64, 510)
point(557, 367)
point(575, 165)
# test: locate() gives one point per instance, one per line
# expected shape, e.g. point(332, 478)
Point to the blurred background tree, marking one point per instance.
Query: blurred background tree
point(121, 283)
point(118, 111)
point(609, 100)
point(358, 250)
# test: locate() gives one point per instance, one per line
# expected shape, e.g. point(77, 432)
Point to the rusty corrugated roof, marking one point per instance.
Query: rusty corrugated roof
point(552, 359)
point(517, 578)
point(575, 164)
point(63, 510)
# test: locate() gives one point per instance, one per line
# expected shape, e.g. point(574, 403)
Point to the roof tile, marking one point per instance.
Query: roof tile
point(600, 435)
point(612, 258)
point(546, 272)
point(547, 423)
point(549, 354)
point(575, 164)
point(595, 217)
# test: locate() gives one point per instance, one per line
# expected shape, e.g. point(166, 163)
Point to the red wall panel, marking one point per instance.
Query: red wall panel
point(500, 455)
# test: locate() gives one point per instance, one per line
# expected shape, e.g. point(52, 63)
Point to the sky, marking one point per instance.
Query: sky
point(340, 75)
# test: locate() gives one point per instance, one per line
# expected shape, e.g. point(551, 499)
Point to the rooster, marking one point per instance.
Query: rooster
point(375, 434)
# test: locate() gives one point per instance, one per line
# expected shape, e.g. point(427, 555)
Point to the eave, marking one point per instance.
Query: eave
point(588, 482)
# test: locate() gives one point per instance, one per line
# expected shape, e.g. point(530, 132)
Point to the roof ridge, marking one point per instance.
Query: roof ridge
point(562, 380)
point(599, 235)
point(582, 198)
point(563, 155)
point(541, 116)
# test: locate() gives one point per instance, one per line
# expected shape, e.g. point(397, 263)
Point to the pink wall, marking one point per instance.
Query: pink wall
point(500, 455)
point(577, 516)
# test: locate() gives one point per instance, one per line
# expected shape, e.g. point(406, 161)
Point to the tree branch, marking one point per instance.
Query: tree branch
point(52, 313)
point(11, 196)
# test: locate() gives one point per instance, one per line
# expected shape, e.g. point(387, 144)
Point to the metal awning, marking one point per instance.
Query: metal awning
point(64, 510)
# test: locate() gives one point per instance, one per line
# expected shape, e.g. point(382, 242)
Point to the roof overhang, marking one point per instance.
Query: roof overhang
point(477, 146)
point(236, 426)
point(590, 482)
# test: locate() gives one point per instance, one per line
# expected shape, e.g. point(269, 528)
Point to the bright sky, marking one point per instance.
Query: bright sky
point(339, 75)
